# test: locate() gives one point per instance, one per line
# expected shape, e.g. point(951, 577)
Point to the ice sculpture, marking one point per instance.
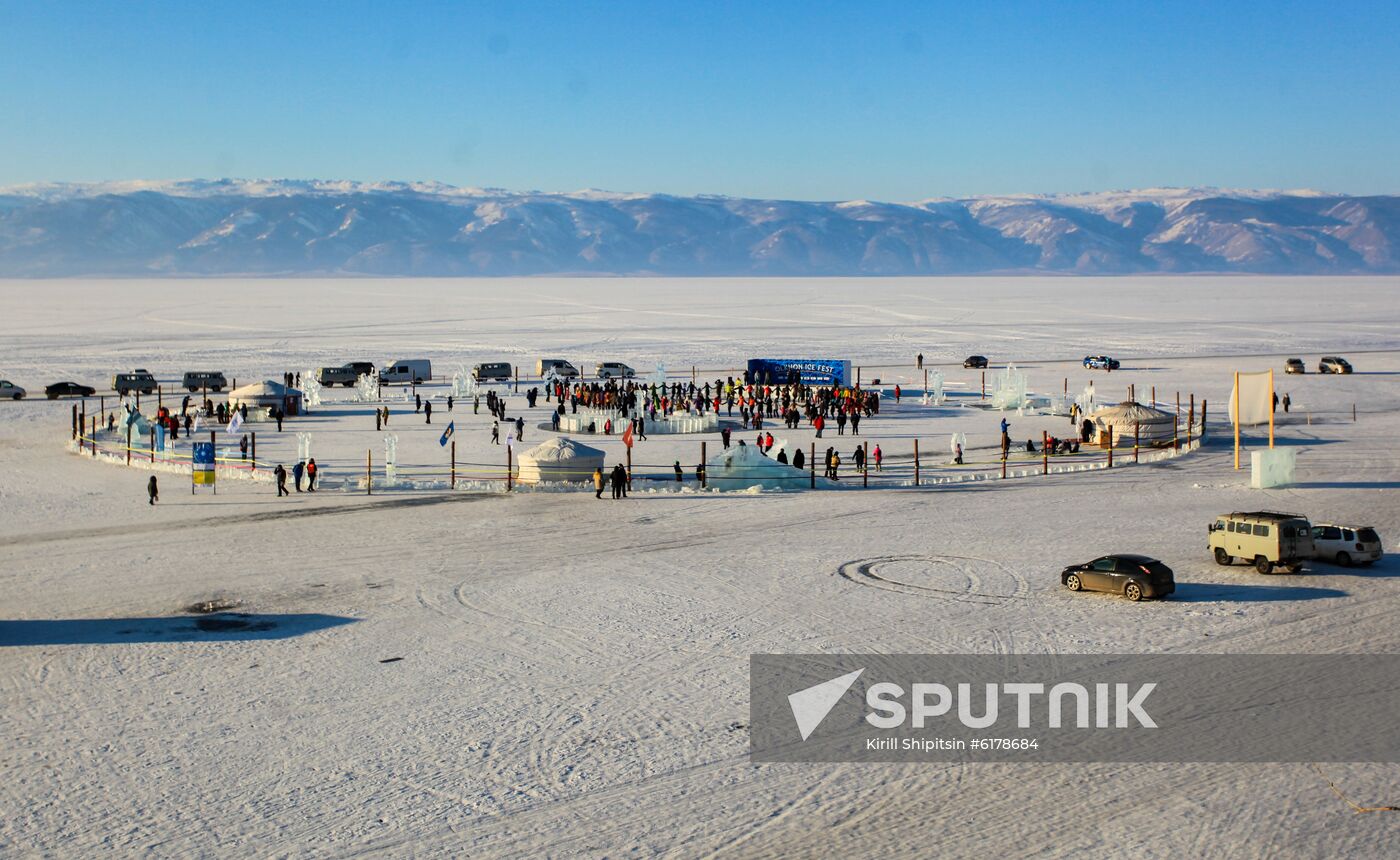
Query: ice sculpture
point(1085, 400)
point(367, 387)
point(464, 385)
point(933, 392)
point(303, 447)
point(391, 457)
point(1010, 389)
point(311, 388)
point(658, 376)
point(957, 441)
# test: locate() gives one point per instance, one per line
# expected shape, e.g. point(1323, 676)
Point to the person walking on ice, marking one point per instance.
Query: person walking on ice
point(297, 471)
point(281, 474)
point(311, 475)
point(152, 491)
point(428, 411)
point(598, 482)
point(495, 432)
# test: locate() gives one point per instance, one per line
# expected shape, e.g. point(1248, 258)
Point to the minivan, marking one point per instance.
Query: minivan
point(493, 370)
point(343, 375)
point(1346, 545)
point(137, 381)
point(414, 370)
point(609, 369)
point(1263, 538)
point(1333, 364)
point(213, 380)
point(558, 366)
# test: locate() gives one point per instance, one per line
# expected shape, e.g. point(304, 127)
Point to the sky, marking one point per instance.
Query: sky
point(868, 100)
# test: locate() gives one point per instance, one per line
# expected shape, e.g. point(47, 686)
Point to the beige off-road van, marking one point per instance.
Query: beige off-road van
point(1264, 539)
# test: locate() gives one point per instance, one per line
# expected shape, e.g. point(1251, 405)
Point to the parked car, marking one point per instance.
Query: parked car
point(975, 361)
point(139, 380)
point(1100, 362)
point(609, 369)
point(213, 380)
point(493, 370)
point(10, 391)
point(68, 389)
point(1333, 364)
point(361, 368)
point(414, 370)
point(1265, 539)
point(344, 375)
point(1133, 576)
point(1346, 545)
point(558, 366)
point(1294, 365)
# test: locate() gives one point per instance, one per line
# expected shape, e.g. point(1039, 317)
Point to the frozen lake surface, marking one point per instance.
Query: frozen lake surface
point(477, 673)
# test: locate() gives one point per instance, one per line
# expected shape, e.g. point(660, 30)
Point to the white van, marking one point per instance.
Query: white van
point(414, 370)
point(611, 369)
point(558, 366)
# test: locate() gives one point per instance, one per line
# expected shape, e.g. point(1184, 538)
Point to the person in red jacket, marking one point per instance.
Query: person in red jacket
point(819, 422)
point(878, 457)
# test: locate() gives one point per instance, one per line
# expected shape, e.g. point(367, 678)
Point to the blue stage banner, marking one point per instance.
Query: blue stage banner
point(810, 371)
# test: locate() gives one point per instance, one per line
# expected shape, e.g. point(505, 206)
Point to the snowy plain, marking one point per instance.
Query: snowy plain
point(573, 673)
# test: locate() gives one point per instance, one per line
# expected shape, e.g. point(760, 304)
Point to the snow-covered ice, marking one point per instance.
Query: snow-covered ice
point(541, 673)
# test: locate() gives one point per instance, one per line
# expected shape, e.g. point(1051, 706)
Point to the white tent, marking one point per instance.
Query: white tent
point(267, 394)
point(1153, 426)
point(558, 460)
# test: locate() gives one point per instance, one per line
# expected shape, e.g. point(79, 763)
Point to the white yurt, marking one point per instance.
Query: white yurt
point(559, 460)
point(744, 466)
point(1154, 427)
point(267, 394)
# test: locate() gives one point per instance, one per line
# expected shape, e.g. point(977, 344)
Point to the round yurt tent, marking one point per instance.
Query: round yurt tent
point(267, 394)
point(559, 460)
point(1153, 426)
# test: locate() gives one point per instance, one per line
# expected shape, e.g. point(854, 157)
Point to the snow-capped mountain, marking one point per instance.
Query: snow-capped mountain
point(293, 227)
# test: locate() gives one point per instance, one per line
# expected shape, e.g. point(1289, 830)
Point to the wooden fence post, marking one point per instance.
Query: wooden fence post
point(704, 475)
point(1110, 446)
point(153, 443)
point(369, 473)
point(452, 482)
point(916, 462)
point(865, 464)
point(1191, 420)
point(1135, 442)
point(812, 464)
point(1204, 404)
point(984, 385)
point(510, 471)
point(1044, 452)
point(254, 436)
point(128, 444)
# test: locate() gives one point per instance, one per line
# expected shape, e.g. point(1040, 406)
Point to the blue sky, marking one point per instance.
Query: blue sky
point(889, 101)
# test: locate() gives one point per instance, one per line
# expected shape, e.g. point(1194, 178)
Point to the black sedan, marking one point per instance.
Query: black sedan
point(68, 389)
point(975, 361)
point(1133, 576)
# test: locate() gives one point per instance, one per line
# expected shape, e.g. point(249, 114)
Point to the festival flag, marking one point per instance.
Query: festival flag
point(627, 435)
point(447, 434)
point(235, 423)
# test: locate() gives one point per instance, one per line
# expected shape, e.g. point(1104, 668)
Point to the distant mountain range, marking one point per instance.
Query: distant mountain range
point(291, 227)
